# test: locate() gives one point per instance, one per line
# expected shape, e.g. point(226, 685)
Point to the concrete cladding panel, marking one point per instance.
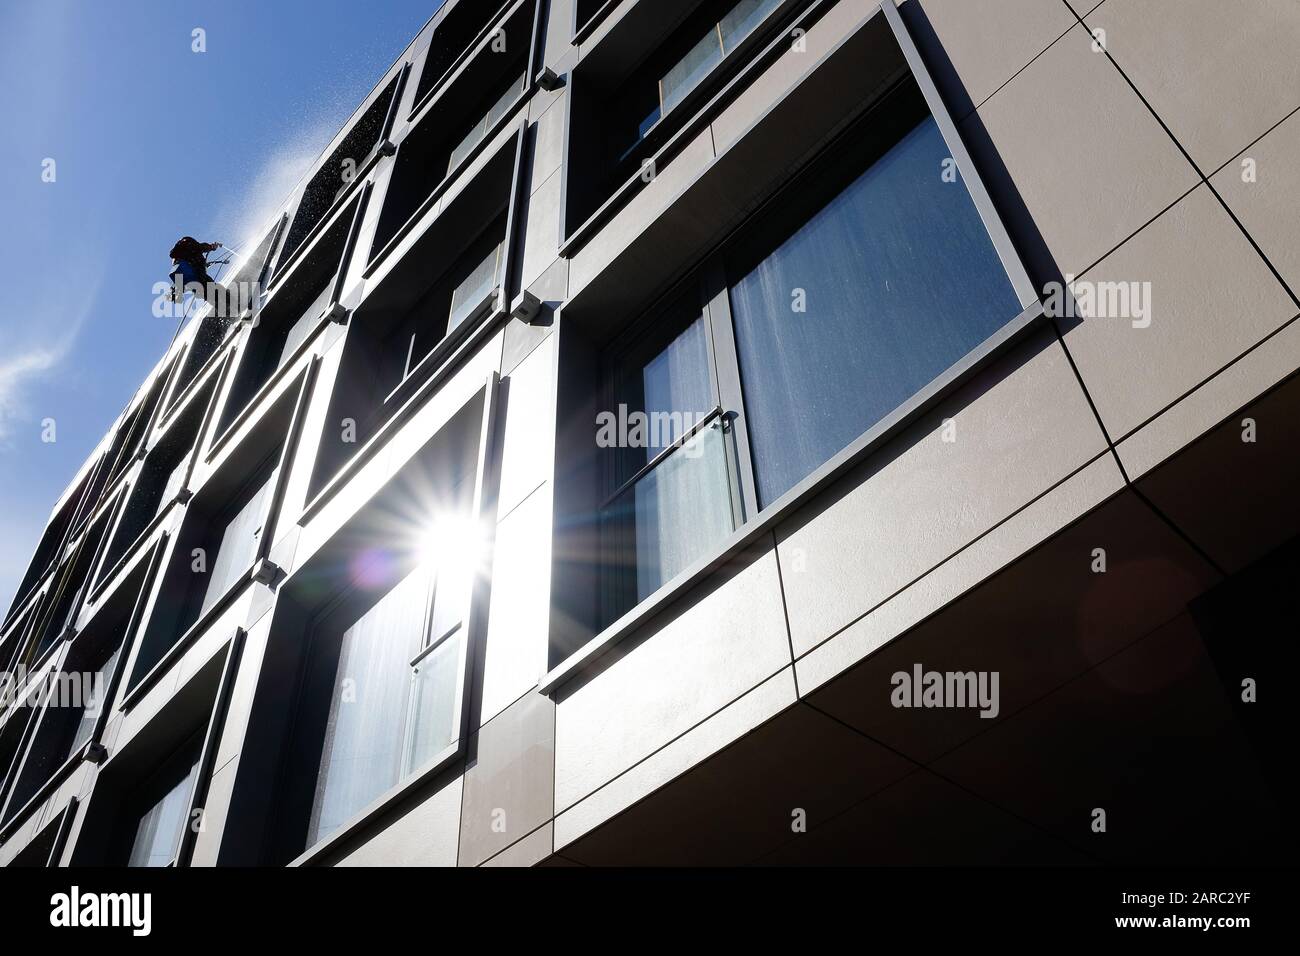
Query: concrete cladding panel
point(1088, 161)
point(1262, 188)
point(1206, 298)
point(1018, 428)
point(1218, 74)
point(704, 653)
point(974, 48)
point(424, 836)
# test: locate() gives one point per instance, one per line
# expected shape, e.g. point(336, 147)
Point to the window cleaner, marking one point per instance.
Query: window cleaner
point(190, 261)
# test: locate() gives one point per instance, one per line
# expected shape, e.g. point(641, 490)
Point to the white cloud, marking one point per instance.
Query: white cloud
point(23, 367)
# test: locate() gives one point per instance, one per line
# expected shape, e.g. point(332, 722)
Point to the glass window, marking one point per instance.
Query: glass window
point(306, 323)
point(668, 518)
point(238, 545)
point(434, 725)
point(719, 39)
point(873, 296)
point(76, 698)
point(162, 811)
point(93, 703)
point(458, 296)
point(172, 487)
point(690, 69)
point(671, 476)
point(361, 755)
point(483, 278)
point(381, 692)
point(741, 20)
point(864, 283)
point(485, 123)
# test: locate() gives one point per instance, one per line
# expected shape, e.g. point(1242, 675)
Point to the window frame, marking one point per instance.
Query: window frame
point(283, 422)
point(482, 478)
point(711, 280)
point(331, 471)
point(674, 131)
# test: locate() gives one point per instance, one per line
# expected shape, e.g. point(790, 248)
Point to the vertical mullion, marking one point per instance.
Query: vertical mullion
point(211, 744)
point(727, 369)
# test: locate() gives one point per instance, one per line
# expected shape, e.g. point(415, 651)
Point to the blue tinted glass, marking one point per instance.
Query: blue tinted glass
point(879, 292)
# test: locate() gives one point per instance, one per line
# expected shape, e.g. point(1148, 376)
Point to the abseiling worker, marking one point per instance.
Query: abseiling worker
point(190, 258)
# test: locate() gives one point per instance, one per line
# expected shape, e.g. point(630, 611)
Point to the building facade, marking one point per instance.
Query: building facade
point(713, 432)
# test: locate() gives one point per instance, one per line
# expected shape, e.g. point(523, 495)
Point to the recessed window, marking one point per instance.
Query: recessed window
point(437, 295)
point(63, 600)
point(462, 25)
point(289, 317)
point(219, 543)
point(161, 478)
point(478, 129)
point(339, 173)
point(53, 537)
point(685, 72)
point(15, 640)
point(629, 102)
point(12, 735)
point(384, 692)
point(155, 815)
point(240, 528)
point(76, 699)
point(455, 127)
point(467, 289)
point(382, 687)
point(868, 279)
point(669, 470)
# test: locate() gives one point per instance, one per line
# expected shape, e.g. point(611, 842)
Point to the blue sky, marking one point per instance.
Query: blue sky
point(151, 141)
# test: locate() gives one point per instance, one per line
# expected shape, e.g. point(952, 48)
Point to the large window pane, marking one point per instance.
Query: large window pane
point(690, 69)
point(878, 292)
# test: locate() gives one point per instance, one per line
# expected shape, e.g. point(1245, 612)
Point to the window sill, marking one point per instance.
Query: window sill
point(784, 507)
point(378, 807)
